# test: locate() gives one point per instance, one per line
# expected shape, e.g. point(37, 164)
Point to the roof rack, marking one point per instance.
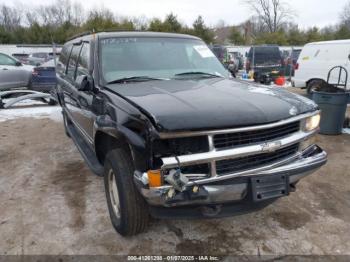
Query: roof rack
point(109, 31)
point(120, 30)
point(102, 31)
point(80, 35)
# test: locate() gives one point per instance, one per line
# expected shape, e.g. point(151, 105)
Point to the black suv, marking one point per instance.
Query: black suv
point(266, 61)
point(174, 135)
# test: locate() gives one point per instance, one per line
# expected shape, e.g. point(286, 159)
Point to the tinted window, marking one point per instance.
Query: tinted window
point(72, 63)
point(263, 54)
point(83, 62)
point(63, 58)
point(6, 60)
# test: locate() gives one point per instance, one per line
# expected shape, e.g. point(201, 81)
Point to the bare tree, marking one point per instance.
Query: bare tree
point(272, 13)
point(345, 15)
point(61, 12)
point(10, 18)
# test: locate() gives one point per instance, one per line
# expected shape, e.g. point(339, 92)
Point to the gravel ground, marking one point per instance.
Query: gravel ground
point(52, 204)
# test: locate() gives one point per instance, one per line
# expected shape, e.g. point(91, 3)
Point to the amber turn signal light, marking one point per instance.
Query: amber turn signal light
point(154, 178)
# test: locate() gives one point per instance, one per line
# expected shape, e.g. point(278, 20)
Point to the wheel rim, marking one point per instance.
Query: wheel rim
point(113, 193)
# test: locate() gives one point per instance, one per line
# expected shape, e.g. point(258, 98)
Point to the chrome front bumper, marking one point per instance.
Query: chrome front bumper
point(235, 187)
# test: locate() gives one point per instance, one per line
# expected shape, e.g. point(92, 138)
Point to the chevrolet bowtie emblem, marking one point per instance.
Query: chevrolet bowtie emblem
point(271, 146)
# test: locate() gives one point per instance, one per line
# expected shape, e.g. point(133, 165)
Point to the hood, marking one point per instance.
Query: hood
point(178, 105)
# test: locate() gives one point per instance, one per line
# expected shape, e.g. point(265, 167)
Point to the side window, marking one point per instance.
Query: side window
point(83, 61)
point(6, 60)
point(72, 63)
point(63, 59)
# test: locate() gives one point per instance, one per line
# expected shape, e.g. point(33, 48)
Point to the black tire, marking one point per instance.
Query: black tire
point(314, 85)
point(133, 216)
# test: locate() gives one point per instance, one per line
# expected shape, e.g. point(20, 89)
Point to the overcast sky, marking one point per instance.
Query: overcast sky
point(308, 12)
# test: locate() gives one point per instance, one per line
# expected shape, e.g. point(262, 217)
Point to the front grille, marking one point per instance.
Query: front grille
point(250, 162)
point(229, 140)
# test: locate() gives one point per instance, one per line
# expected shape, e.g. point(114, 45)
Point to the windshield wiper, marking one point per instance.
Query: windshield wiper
point(202, 74)
point(134, 79)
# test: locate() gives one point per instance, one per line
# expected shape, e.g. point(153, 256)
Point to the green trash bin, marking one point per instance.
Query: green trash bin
point(333, 109)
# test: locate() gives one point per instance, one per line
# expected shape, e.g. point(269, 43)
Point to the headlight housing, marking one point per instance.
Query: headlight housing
point(312, 123)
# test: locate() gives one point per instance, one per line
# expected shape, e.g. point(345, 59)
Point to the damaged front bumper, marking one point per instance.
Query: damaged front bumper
point(238, 187)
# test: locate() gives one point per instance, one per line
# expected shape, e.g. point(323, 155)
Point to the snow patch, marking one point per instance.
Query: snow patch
point(346, 131)
point(51, 112)
point(261, 90)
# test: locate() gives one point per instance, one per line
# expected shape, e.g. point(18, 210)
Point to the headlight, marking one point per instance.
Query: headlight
point(312, 122)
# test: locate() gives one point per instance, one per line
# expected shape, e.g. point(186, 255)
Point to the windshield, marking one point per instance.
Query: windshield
point(163, 58)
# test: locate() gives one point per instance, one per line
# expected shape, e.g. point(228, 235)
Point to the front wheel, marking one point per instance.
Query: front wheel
point(127, 209)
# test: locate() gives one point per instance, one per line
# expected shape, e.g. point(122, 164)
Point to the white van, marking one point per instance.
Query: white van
point(315, 61)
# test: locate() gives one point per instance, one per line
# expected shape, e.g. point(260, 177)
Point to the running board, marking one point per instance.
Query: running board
point(86, 151)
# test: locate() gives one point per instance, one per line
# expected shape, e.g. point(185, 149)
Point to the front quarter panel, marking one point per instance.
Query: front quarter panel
point(128, 125)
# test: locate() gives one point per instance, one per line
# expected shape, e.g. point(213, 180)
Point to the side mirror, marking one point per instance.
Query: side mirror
point(82, 83)
point(18, 63)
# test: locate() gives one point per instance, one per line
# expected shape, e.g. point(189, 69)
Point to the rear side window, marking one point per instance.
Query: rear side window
point(83, 61)
point(63, 59)
point(72, 63)
point(263, 54)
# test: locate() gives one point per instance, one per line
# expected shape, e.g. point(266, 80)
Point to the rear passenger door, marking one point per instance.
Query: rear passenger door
point(84, 116)
point(67, 82)
point(78, 103)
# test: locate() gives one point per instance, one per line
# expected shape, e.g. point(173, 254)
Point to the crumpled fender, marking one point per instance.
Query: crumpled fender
point(106, 125)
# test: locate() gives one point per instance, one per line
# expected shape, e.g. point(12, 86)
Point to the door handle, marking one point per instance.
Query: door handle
point(4, 69)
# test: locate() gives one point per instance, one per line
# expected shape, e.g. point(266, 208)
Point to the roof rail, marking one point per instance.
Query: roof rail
point(121, 30)
point(79, 35)
point(102, 31)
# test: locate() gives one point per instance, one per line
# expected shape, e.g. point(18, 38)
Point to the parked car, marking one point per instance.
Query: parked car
point(44, 80)
point(239, 59)
point(265, 61)
point(44, 77)
point(22, 57)
point(290, 62)
point(294, 59)
point(228, 60)
point(38, 58)
point(13, 74)
point(174, 135)
point(295, 56)
point(315, 61)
